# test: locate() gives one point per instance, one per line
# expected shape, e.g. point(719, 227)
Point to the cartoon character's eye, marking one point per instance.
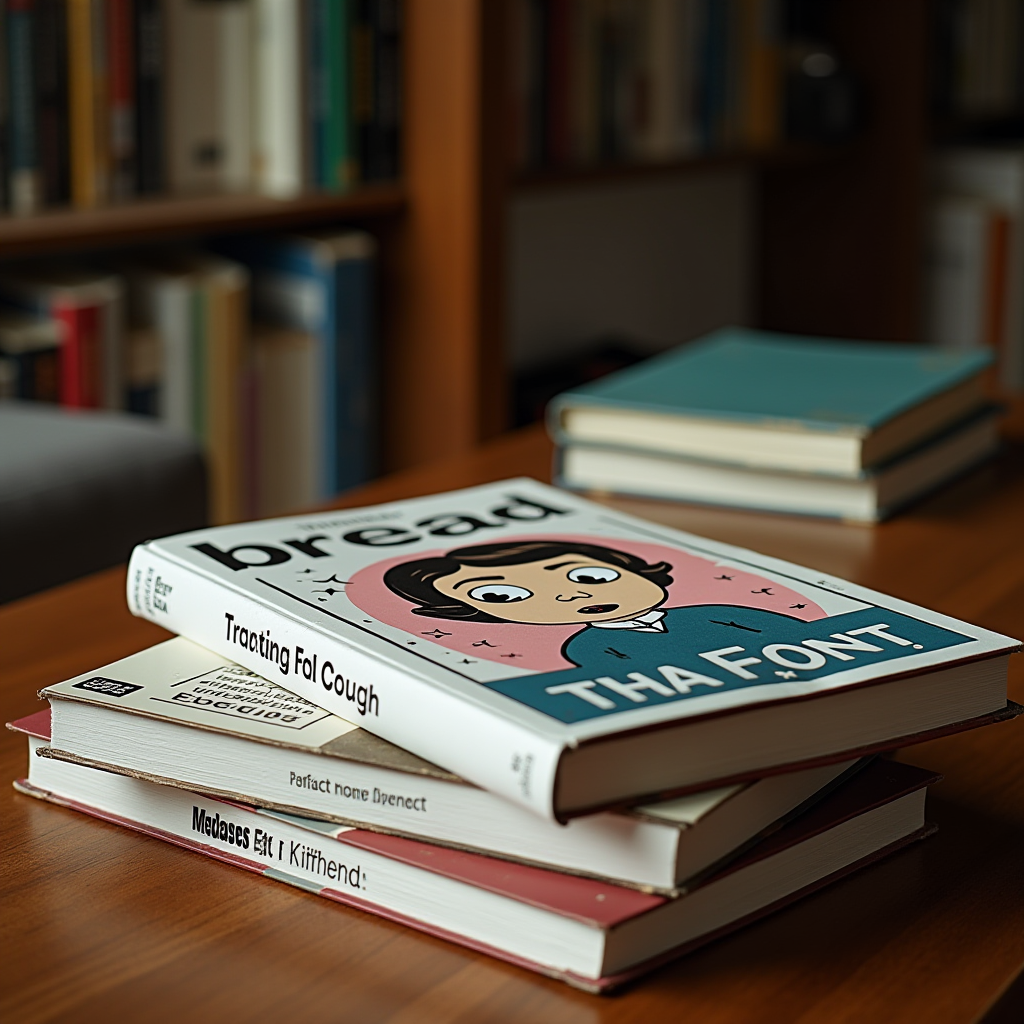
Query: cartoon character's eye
point(592, 574)
point(500, 593)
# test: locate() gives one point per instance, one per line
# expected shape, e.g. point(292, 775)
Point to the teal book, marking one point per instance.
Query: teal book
point(786, 402)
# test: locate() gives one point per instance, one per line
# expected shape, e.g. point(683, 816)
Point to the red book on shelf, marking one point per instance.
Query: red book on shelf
point(121, 96)
point(79, 354)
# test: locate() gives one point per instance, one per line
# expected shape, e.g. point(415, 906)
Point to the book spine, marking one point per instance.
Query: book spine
point(498, 754)
point(342, 168)
point(345, 868)
point(52, 101)
point(236, 91)
point(112, 349)
point(149, 93)
point(317, 47)
point(386, 69)
point(227, 301)
point(120, 112)
point(81, 327)
point(21, 64)
point(557, 127)
point(361, 57)
point(82, 113)
point(4, 111)
point(199, 327)
point(37, 376)
point(353, 313)
point(195, 101)
point(279, 103)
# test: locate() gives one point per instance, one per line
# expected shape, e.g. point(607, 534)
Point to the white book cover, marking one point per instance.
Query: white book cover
point(508, 632)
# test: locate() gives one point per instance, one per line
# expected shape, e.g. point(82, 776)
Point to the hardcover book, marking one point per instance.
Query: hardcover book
point(755, 398)
point(177, 714)
point(564, 655)
point(872, 495)
point(591, 934)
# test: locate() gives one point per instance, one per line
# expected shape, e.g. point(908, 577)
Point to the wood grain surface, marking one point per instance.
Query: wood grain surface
point(102, 924)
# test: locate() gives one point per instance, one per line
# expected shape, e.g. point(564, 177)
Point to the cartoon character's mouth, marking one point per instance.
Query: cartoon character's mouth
point(597, 609)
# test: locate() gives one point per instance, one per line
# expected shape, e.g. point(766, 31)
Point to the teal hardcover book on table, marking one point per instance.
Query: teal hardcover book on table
point(757, 398)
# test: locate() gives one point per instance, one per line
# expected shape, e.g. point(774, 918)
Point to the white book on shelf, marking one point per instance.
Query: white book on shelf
point(163, 303)
point(279, 79)
point(236, 42)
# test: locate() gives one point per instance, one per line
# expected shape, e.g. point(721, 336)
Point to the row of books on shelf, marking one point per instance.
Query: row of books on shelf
point(667, 79)
point(684, 743)
point(105, 100)
point(262, 349)
point(978, 58)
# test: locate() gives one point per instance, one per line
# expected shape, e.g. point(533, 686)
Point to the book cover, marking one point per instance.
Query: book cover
point(589, 933)
point(526, 625)
point(805, 383)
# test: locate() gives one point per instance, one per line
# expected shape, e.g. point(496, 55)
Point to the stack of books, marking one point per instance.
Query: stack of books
point(853, 430)
point(560, 735)
point(106, 100)
point(261, 348)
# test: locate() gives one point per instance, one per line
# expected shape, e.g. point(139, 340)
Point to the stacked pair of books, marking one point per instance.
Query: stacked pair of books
point(564, 736)
point(745, 418)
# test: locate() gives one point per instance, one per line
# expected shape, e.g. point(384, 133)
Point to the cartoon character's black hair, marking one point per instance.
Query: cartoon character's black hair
point(415, 580)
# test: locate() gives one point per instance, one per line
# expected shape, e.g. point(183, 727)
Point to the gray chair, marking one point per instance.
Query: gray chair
point(78, 489)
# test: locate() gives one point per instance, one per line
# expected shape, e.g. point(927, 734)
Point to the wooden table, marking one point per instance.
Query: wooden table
point(103, 923)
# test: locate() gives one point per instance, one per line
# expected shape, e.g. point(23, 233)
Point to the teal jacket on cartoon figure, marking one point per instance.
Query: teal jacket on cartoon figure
point(665, 636)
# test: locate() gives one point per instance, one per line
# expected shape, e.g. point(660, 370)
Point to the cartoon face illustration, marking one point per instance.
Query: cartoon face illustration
point(538, 582)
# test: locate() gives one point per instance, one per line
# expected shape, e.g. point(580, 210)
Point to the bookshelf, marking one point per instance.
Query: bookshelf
point(174, 217)
point(838, 238)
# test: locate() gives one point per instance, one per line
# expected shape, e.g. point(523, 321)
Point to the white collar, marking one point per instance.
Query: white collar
point(650, 622)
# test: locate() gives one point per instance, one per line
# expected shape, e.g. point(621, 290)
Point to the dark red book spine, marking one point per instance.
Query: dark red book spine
point(121, 70)
point(559, 129)
point(80, 354)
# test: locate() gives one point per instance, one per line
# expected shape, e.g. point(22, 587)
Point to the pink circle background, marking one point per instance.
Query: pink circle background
point(538, 648)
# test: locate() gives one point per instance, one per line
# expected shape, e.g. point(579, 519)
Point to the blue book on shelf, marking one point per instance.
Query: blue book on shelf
point(721, 396)
point(323, 284)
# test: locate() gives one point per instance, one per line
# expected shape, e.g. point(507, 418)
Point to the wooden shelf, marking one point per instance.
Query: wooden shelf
point(177, 217)
point(571, 176)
